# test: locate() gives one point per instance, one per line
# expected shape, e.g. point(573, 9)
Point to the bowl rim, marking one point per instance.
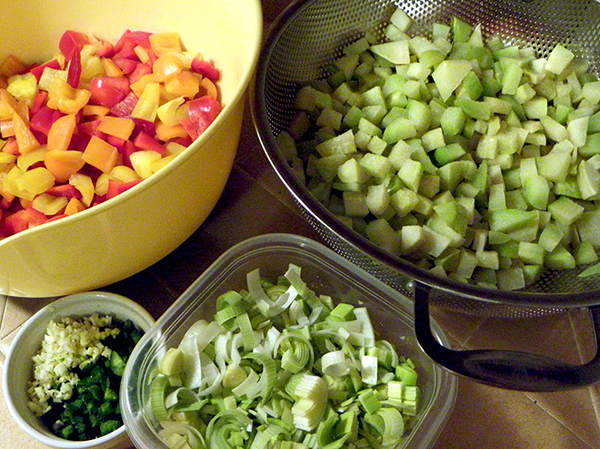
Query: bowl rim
point(144, 319)
point(228, 108)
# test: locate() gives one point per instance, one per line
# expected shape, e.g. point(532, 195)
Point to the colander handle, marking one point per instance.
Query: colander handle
point(515, 370)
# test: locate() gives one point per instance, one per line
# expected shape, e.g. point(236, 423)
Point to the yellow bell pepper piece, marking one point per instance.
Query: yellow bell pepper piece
point(161, 43)
point(148, 102)
point(24, 88)
point(66, 99)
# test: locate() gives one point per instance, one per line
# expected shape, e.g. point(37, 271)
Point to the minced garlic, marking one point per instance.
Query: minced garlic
point(68, 344)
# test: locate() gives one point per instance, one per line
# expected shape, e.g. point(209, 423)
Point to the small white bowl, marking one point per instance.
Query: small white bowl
point(19, 365)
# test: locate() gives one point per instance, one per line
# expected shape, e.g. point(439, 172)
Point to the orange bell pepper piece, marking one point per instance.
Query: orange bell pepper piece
point(73, 206)
point(100, 154)
point(61, 132)
point(120, 127)
point(166, 66)
point(6, 128)
point(10, 146)
point(138, 86)
point(183, 84)
point(166, 133)
point(62, 164)
point(26, 141)
point(210, 88)
point(10, 105)
point(95, 109)
point(12, 65)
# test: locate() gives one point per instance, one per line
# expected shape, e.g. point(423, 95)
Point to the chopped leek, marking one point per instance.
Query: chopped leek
point(282, 367)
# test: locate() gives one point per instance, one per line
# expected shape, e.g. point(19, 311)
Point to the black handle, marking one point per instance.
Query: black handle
point(515, 370)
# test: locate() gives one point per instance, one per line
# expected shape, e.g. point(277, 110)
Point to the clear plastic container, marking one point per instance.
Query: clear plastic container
point(326, 273)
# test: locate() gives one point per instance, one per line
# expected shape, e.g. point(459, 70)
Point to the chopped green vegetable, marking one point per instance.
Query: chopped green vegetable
point(512, 136)
point(77, 375)
point(313, 374)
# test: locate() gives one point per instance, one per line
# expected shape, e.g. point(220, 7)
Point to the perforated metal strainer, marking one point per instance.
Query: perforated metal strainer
point(308, 36)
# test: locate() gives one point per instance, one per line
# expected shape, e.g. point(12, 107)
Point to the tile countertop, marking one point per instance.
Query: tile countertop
point(483, 416)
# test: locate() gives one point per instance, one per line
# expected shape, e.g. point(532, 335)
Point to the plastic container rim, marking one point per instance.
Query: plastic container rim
point(445, 384)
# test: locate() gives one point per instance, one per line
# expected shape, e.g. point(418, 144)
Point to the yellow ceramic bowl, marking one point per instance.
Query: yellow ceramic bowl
point(127, 234)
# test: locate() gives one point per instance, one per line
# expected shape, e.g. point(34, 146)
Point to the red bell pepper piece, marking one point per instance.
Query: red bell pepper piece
point(135, 37)
point(205, 69)
point(39, 69)
point(105, 50)
point(56, 217)
point(108, 90)
point(74, 72)
point(140, 70)
point(126, 65)
point(43, 119)
point(38, 102)
point(128, 149)
point(66, 190)
point(145, 141)
point(144, 125)
point(116, 187)
point(126, 51)
point(4, 203)
point(24, 219)
point(202, 112)
point(125, 107)
point(90, 128)
point(79, 142)
point(183, 141)
point(70, 46)
point(70, 42)
point(3, 230)
point(116, 142)
point(98, 199)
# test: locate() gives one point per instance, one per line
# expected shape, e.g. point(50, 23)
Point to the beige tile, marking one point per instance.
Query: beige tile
point(257, 165)
point(552, 336)
point(575, 410)
point(487, 417)
point(236, 217)
point(17, 311)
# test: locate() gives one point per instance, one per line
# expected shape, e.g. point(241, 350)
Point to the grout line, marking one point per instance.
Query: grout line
point(3, 302)
point(562, 423)
point(594, 392)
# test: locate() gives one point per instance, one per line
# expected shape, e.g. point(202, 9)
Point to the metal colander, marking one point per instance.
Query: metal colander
point(308, 36)
point(311, 34)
